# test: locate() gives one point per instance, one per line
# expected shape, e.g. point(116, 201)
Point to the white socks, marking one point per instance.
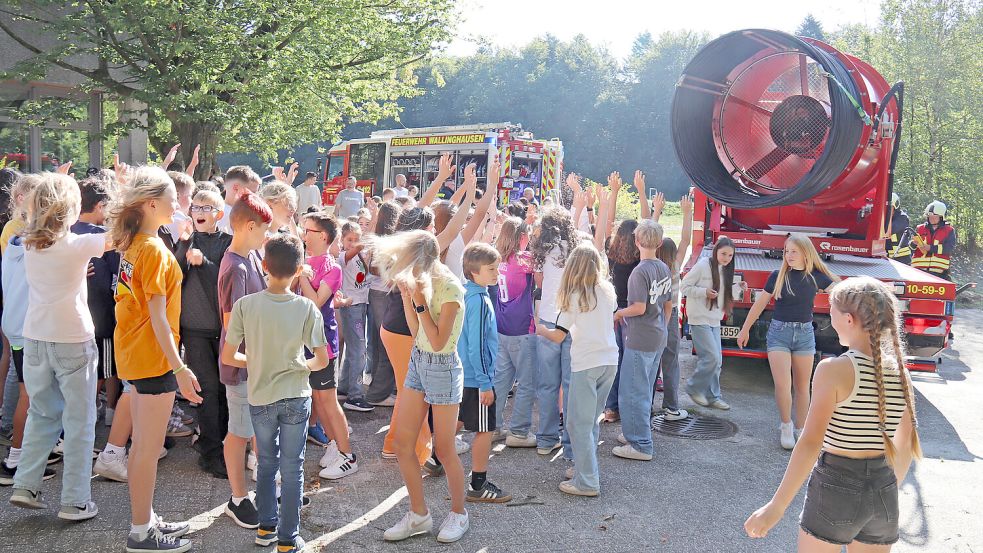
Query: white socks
point(13, 458)
point(111, 449)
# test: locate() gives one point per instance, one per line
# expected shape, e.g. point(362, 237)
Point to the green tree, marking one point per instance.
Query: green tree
point(254, 75)
point(812, 28)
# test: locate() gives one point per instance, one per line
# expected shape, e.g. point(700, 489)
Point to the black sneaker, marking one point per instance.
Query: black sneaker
point(7, 474)
point(488, 493)
point(54, 457)
point(358, 405)
point(244, 514)
point(305, 502)
point(156, 541)
point(214, 466)
point(432, 468)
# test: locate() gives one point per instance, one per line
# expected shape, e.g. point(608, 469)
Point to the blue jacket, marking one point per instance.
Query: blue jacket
point(15, 292)
point(478, 345)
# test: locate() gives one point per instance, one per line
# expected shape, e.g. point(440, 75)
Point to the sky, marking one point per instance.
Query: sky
point(616, 23)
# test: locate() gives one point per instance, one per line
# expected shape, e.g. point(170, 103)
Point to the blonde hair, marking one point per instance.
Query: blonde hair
point(210, 197)
point(409, 258)
point(874, 306)
point(648, 233)
point(509, 240)
point(280, 193)
point(126, 216)
point(21, 187)
point(52, 206)
point(812, 262)
point(584, 274)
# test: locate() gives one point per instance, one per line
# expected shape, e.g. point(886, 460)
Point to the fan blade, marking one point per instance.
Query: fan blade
point(749, 105)
point(803, 74)
point(767, 163)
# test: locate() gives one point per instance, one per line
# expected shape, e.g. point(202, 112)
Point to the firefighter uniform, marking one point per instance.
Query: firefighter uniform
point(941, 241)
point(899, 243)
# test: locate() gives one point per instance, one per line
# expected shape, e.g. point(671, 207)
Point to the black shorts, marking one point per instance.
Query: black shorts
point(475, 416)
point(17, 355)
point(107, 358)
point(155, 385)
point(324, 379)
point(851, 500)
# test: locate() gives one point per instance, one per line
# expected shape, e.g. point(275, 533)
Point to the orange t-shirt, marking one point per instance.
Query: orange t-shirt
point(147, 269)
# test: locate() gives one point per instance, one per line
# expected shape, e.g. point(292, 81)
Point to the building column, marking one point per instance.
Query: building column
point(133, 146)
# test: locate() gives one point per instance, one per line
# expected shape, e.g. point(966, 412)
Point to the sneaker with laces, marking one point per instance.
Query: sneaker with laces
point(359, 405)
point(548, 449)
point(454, 527)
point(316, 435)
point(720, 404)
point(675, 414)
point(460, 446)
point(295, 546)
point(244, 514)
point(7, 474)
point(514, 440)
point(388, 402)
point(342, 465)
point(185, 418)
point(410, 525)
point(622, 440)
point(175, 529)
point(699, 399)
point(27, 499)
point(488, 493)
point(75, 512)
point(329, 455)
point(177, 429)
point(111, 467)
point(432, 468)
point(265, 536)
point(155, 541)
point(787, 435)
point(629, 452)
point(567, 487)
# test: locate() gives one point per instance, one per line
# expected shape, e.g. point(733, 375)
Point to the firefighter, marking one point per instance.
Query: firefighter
point(899, 243)
point(934, 241)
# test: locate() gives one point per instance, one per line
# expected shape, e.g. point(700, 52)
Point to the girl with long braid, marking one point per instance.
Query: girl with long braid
point(862, 426)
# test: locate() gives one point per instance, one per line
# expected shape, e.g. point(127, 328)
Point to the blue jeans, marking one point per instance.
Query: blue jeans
point(670, 365)
point(61, 382)
point(11, 391)
point(353, 332)
point(588, 389)
point(709, 360)
point(554, 373)
point(619, 337)
point(281, 436)
point(516, 362)
point(638, 370)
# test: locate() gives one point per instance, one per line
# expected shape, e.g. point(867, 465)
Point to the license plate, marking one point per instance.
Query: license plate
point(729, 332)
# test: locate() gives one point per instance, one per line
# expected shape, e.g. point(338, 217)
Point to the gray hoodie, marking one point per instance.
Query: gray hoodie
point(15, 292)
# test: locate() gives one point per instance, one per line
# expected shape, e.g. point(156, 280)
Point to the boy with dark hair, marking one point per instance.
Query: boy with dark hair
point(478, 348)
point(279, 325)
point(240, 274)
point(201, 323)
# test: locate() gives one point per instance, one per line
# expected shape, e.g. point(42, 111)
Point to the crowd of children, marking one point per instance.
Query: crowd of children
point(274, 323)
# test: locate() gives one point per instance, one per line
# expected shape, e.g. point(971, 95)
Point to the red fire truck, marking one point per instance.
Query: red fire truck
point(783, 134)
point(375, 161)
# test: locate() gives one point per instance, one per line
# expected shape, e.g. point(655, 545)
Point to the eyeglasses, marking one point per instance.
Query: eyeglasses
point(306, 230)
point(203, 209)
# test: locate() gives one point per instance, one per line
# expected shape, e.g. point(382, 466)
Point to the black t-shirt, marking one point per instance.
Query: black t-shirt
point(619, 275)
point(798, 295)
point(102, 303)
point(395, 318)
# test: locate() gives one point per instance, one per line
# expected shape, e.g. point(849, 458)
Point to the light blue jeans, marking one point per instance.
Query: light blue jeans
point(11, 391)
point(281, 436)
point(516, 362)
point(61, 381)
point(638, 370)
point(709, 360)
point(588, 391)
point(554, 373)
point(353, 321)
point(670, 365)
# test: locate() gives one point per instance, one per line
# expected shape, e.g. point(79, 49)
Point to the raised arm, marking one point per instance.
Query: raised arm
point(481, 208)
point(456, 223)
point(658, 204)
point(614, 183)
point(686, 206)
point(601, 228)
point(445, 169)
point(639, 181)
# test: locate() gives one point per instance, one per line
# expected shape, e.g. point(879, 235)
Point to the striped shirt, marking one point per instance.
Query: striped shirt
point(854, 424)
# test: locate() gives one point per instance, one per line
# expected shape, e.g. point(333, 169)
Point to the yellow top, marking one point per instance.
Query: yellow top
point(13, 226)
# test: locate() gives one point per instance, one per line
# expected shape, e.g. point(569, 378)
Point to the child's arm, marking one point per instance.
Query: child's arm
point(601, 228)
point(555, 335)
point(686, 206)
point(453, 228)
point(319, 296)
point(481, 208)
point(157, 306)
point(643, 200)
point(444, 170)
point(320, 360)
point(829, 385)
point(232, 357)
point(633, 310)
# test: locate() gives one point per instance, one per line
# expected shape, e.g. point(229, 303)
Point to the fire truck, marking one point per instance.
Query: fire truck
point(375, 161)
point(785, 134)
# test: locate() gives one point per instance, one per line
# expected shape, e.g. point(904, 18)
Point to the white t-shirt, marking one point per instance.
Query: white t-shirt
point(592, 332)
point(307, 196)
point(552, 273)
point(401, 192)
point(57, 304)
point(225, 223)
point(354, 279)
point(455, 257)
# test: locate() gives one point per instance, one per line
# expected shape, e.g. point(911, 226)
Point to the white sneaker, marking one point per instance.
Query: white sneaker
point(677, 415)
point(163, 453)
point(410, 525)
point(629, 452)
point(454, 527)
point(329, 454)
point(699, 399)
point(511, 440)
point(76, 513)
point(367, 379)
point(111, 467)
point(461, 446)
point(787, 435)
point(342, 465)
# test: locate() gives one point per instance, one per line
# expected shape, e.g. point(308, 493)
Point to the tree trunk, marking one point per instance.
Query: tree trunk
point(191, 134)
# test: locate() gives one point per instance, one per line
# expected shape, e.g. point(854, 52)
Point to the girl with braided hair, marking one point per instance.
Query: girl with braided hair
point(862, 426)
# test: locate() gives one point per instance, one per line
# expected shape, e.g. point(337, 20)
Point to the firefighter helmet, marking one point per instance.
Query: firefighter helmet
point(936, 207)
point(895, 201)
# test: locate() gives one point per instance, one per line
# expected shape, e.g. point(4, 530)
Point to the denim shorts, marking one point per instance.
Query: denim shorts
point(794, 338)
point(851, 500)
point(240, 420)
point(439, 376)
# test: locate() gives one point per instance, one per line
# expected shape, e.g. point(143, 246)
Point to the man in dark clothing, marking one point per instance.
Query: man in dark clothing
point(898, 243)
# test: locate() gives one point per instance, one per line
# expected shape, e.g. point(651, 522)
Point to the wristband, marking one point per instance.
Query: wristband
point(180, 369)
